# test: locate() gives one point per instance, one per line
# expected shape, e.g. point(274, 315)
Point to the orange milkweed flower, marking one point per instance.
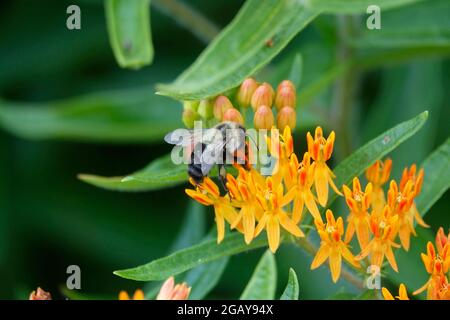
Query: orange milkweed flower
point(243, 194)
point(358, 219)
point(207, 193)
point(378, 174)
point(383, 227)
point(170, 291)
point(437, 265)
point(272, 203)
point(281, 147)
point(442, 240)
point(402, 294)
point(400, 202)
point(417, 180)
point(301, 175)
point(138, 295)
point(442, 289)
point(320, 149)
point(331, 246)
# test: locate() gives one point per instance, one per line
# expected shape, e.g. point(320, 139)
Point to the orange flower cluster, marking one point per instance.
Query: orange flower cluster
point(255, 203)
point(437, 265)
point(377, 219)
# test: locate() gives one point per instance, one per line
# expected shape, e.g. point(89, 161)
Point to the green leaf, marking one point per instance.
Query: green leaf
point(431, 27)
point(292, 289)
point(123, 116)
point(193, 228)
point(129, 32)
point(192, 232)
point(205, 277)
point(358, 161)
point(437, 177)
point(358, 6)
point(295, 75)
point(160, 173)
point(263, 282)
point(241, 48)
point(189, 258)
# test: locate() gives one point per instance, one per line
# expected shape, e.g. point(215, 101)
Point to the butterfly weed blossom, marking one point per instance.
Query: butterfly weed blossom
point(332, 247)
point(437, 265)
point(276, 203)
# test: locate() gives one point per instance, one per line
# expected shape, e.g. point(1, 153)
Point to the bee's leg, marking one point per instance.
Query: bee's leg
point(223, 176)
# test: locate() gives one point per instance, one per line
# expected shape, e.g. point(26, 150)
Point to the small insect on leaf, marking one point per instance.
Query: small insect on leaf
point(269, 43)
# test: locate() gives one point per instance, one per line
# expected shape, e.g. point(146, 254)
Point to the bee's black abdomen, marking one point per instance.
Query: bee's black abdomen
point(195, 172)
point(195, 167)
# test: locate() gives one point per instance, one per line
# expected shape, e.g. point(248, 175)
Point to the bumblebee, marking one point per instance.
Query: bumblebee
point(220, 145)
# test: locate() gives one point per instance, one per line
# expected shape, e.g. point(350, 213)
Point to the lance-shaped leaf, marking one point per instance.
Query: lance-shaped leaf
point(205, 277)
point(258, 33)
point(121, 116)
point(189, 258)
point(358, 6)
point(437, 177)
point(159, 174)
point(263, 282)
point(129, 32)
point(292, 289)
point(355, 164)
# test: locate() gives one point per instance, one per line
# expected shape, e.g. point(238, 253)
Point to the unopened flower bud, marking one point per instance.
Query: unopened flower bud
point(263, 96)
point(286, 97)
point(221, 105)
point(286, 83)
point(263, 118)
point(189, 117)
point(170, 291)
point(40, 294)
point(206, 109)
point(286, 117)
point(233, 115)
point(191, 105)
point(245, 92)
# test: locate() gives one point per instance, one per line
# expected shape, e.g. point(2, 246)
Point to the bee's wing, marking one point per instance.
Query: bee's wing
point(235, 142)
point(212, 154)
point(180, 137)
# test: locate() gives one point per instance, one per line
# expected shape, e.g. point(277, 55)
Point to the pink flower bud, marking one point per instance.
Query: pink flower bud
point(263, 96)
point(286, 83)
point(221, 105)
point(245, 92)
point(233, 115)
point(286, 97)
point(263, 118)
point(286, 117)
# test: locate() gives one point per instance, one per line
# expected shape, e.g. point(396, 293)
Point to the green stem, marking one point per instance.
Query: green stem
point(189, 18)
point(347, 275)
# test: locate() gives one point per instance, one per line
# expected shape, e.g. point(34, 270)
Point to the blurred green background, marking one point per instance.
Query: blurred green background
point(49, 219)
